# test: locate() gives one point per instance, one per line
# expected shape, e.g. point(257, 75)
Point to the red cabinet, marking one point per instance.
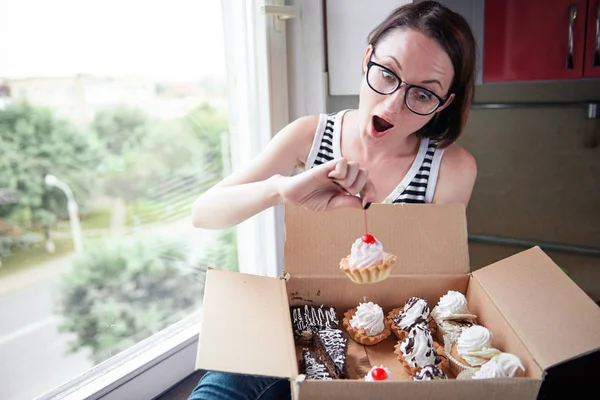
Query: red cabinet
point(528, 40)
point(591, 64)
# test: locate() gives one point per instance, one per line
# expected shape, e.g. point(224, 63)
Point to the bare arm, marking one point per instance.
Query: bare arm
point(255, 188)
point(456, 177)
point(266, 182)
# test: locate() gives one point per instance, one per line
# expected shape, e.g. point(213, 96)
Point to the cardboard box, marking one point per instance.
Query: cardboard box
point(532, 308)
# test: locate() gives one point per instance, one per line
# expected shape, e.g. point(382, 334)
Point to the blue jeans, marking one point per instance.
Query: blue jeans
point(224, 386)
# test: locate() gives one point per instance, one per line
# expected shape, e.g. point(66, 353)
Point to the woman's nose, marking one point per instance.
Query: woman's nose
point(395, 101)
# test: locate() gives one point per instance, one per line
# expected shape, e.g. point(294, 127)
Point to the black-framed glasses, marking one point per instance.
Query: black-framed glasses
point(384, 81)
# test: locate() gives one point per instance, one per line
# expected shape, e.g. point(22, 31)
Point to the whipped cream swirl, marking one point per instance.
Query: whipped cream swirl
point(475, 345)
point(416, 310)
point(365, 254)
point(369, 316)
point(503, 365)
point(418, 347)
point(451, 304)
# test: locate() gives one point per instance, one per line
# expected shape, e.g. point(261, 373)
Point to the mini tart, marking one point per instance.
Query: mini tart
point(458, 365)
point(441, 360)
point(449, 330)
point(400, 333)
point(359, 335)
point(370, 274)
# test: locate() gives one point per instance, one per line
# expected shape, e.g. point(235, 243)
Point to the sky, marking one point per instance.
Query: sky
point(166, 39)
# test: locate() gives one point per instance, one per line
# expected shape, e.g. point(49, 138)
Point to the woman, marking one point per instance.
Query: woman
point(398, 147)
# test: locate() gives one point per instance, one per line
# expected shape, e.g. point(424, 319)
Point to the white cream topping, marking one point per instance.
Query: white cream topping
point(369, 316)
point(365, 254)
point(452, 303)
point(415, 310)
point(475, 345)
point(418, 347)
point(503, 365)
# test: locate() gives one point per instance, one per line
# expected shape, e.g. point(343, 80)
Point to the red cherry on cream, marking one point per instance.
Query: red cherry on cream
point(379, 374)
point(368, 239)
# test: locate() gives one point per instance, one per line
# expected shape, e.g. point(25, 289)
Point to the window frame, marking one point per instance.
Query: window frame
point(151, 367)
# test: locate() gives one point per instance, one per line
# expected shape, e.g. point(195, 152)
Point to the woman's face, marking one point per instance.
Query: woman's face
point(416, 60)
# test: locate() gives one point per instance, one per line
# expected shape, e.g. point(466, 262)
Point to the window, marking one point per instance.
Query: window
point(99, 263)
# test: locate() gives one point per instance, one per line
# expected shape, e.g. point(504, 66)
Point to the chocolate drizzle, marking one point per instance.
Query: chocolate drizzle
point(418, 346)
point(406, 319)
point(308, 319)
point(313, 367)
point(429, 373)
point(332, 346)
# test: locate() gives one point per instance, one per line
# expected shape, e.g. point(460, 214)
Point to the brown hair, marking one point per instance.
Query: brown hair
point(454, 34)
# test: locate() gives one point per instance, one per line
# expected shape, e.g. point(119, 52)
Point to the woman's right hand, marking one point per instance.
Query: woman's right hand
point(337, 183)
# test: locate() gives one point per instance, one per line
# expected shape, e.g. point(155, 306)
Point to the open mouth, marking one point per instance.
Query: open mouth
point(381, 125)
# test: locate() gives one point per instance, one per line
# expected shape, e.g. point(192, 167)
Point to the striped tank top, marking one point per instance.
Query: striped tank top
point(417, 186)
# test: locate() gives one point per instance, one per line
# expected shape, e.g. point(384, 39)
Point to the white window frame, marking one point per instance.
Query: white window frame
point(256, 58)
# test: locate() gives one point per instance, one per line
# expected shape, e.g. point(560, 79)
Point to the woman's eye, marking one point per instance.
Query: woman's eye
point(424, 96)
point(387, 76)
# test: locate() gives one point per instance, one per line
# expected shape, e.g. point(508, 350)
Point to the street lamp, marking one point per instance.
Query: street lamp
point(72, 208)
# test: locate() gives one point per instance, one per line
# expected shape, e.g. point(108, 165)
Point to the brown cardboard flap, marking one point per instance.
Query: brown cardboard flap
point(554, 318)
point(246, 326)
point(497, 389)
point(426, 238)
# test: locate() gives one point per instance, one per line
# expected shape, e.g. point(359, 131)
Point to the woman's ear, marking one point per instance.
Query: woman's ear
point(368, 52)
point(446, 104)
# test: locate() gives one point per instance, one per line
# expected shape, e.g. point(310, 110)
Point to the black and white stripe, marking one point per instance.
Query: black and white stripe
point(326, 149)
point(416, 190)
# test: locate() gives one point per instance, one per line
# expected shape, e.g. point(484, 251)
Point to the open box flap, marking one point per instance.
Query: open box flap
point(246, 326)
point(442, 389)
point(426, 238)
point(554, 318)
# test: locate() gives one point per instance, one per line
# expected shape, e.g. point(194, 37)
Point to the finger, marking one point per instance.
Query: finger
point(343, 200)
point(351, 174)
point(340, 187)
point(368, 194)
point(339, 172)
point(359, 182)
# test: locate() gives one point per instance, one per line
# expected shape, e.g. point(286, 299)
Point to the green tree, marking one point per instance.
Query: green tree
point(210, 126)
point(121, 128)
point(34, 143)
point(222, 253)
point(122, 291)
point(173, 152)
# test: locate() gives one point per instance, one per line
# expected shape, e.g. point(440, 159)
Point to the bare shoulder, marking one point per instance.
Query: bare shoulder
point(457, 159)
point(457, 176)
point(297, 136)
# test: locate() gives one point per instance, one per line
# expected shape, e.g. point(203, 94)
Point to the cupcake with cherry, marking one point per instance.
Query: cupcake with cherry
point(367, 261)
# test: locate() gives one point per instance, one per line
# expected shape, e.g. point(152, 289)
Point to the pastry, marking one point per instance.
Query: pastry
point(307, 319)
point(313, 367)
point(367, 262)
point(419, 350)
point(380, 373)
point(503, 365)
point(366, 324)
point(415, 311)
point(451, 316)
point(331, 345)
point(472, 349)
point(430, 373)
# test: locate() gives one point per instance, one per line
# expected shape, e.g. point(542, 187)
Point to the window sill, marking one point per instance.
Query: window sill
point(144, 371)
